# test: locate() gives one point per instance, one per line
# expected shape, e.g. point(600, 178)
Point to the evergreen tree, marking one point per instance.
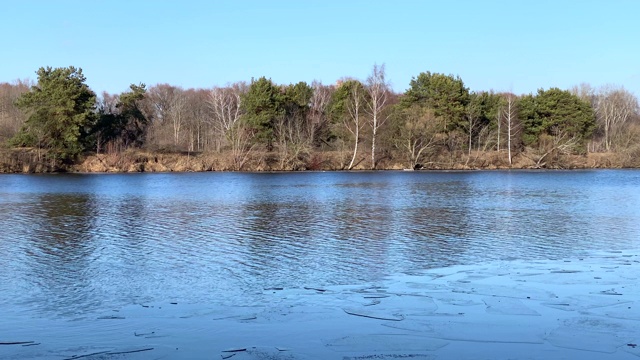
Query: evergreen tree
point(554, 111)
point(126, 125)
point(262, 105)
point(445, 94)
point(61, 113)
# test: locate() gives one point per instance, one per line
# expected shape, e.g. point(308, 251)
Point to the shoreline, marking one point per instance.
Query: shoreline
point(27, 161)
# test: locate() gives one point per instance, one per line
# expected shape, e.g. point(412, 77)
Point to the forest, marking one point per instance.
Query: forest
point(57, 123)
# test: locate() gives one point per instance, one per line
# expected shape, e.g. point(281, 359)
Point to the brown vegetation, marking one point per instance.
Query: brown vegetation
point(22, 160)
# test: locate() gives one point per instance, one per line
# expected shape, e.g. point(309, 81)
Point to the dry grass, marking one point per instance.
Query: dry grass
point(31, 161)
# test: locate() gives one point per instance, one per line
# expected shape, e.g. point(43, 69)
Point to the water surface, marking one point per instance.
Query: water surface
point(74, 245)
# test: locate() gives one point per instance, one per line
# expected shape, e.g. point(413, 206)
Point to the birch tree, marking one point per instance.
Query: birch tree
point(378, 91)
point(511, 123)
point(499, 123)
point(345, 110)
point(472, 114)
point(226, 110)
point(354, 122)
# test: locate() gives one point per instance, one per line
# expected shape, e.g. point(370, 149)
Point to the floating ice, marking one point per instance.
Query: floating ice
point(508, 306)
point(585, 302)
point(487, 331)
point(264, 353)
point(379, 315)
point(459, 300)
point(569, 337)
point(626, 311)
point(514, 291)
point(411, 325)
point(385, 342)
point(391, 356)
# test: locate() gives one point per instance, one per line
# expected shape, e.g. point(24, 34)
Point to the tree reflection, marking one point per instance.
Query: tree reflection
point(62, 247)
point(437, 223)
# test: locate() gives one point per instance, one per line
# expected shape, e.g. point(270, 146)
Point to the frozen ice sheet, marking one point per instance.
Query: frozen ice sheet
point(385, 342)
point(587, 340)
point(585, 302)
point(508, 306)
point(391, 356)
point(627, 311)
point(515, 291)
point(476, 309)
point(487, 331)
point(374, 314)
point(264, 353)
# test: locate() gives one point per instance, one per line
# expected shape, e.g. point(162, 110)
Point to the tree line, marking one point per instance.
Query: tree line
point(436, 122)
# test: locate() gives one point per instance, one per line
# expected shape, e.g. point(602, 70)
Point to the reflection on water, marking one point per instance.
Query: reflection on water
point(74, 244)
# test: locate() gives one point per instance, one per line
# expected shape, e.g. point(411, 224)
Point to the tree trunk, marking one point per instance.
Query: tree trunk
point(355, 148)
point(373, 149)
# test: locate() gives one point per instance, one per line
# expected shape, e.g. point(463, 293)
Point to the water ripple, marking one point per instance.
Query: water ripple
point(73, 245)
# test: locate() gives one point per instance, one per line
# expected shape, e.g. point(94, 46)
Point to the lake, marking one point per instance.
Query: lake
point(73, 245)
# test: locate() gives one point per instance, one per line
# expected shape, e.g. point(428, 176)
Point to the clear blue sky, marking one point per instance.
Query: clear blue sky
point(491, 44)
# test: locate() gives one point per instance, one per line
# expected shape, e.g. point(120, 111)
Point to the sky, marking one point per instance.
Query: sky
point(516, 45)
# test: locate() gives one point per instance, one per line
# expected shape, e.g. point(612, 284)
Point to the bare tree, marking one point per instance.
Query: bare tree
point(378, 90)
point(486, 138)
point(160, 102)
point(197, 116)
point(354, 123)
point(11, 117)
point(629, 140)
point(160, 97)
point(318, 119)
point(226, 110)
point(106, 105)
point(177, 110)
point(585, 92)
point(561, 142)
point(294, 139)
point(614, 107)
point(472, 115)
point(499, 123)
point(511, 122)
point(419, 133)
point(240, 137)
